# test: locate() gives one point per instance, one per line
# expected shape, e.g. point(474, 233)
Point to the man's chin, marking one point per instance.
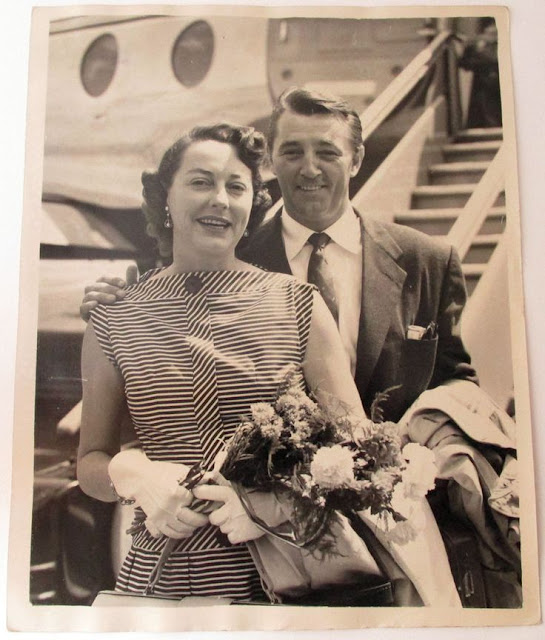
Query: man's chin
point(313, 216)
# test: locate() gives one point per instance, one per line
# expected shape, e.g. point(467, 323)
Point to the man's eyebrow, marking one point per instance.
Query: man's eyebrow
point(290, 143)
point(328, 143)
point(320, 143)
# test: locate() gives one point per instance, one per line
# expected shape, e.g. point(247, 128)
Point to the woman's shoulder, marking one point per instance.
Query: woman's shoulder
point(276, 279)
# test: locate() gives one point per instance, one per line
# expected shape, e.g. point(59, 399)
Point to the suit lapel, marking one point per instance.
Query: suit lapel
point(267, 248)
point(383, 281)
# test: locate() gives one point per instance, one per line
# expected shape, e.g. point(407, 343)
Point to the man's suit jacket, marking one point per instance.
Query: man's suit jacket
point(409, 278)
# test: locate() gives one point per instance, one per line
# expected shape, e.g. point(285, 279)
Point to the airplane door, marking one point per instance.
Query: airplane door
point(355, 59)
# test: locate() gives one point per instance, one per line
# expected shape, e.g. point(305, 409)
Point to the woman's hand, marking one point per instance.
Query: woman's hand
point(230, 516)
point(155, 488)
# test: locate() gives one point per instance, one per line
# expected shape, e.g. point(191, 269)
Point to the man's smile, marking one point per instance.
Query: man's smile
point(311, 187)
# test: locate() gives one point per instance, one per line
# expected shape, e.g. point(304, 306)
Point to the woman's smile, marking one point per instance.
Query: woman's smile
point(214, 222)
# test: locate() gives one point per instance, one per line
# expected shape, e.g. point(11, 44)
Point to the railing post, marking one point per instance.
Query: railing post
point(453, 90)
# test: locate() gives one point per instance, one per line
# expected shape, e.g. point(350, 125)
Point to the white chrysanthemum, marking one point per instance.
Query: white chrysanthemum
point(400, 501)
point(332, 467)
point(295, 399)
point(383, 479)
point(419, 476)
point(286, 401)
point(402, 532)
point(302, 428)
point(407, 530)
point(305, 402)
point(272, 429)
point(297, 439)
point(262, 413)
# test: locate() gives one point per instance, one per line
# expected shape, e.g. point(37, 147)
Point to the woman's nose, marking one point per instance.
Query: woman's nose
point(310, 168)
point(220, 197)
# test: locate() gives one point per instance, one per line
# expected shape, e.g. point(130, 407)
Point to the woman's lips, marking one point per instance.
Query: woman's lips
point(214, 222)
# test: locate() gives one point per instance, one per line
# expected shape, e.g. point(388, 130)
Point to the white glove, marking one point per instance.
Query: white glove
point(230, 517)
point(155, 488)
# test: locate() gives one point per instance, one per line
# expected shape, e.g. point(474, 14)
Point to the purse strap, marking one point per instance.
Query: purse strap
point(365, 533)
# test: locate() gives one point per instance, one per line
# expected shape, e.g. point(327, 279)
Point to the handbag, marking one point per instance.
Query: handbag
point(351, 576)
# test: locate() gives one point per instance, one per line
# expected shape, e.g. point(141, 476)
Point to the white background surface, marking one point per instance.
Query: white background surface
point(528, 58)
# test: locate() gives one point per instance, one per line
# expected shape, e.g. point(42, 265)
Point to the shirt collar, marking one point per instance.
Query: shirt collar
point(346, 232)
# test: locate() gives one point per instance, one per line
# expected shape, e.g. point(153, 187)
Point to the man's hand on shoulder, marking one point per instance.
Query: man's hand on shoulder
point(106, 290)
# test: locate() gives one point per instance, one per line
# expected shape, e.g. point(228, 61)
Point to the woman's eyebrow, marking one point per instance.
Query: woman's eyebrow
point(209, 173)
point(236, 176)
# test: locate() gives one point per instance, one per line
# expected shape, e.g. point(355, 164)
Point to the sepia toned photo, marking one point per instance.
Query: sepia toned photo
point(273, 369)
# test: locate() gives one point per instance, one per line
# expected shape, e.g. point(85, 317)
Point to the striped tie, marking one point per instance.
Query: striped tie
point(320, 274)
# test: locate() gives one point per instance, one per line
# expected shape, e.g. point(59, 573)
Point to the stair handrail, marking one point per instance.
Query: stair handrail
point(471, 219)
point(486, 327)
point(377, 112)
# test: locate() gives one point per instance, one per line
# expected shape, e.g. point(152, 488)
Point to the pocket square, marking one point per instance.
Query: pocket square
point(415, 332)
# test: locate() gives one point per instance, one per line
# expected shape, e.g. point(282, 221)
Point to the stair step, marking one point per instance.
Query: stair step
point(482, 248)
point(487, 239)
point(445, 196)
point(457, 172)
point(472, 151)
point(479, 253)
point(441, 196)
point(437, 222)
point(480, 135)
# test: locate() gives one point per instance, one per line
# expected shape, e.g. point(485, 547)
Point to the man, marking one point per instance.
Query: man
point(397, 294)
point(388, 278)
point(398, 297)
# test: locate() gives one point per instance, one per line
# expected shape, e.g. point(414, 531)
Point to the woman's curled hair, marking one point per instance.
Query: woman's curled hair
point(251, 149)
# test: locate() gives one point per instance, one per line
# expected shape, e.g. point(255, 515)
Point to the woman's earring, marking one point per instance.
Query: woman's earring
point(246, 233)
point(168, 220)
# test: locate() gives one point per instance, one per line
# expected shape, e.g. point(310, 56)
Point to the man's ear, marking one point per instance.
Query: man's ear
point(269, 165)
point(357, 160)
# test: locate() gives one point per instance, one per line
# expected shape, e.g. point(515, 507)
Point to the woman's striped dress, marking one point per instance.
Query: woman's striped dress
point(195, 350)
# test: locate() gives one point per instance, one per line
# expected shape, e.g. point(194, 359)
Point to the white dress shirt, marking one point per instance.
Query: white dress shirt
point(344, 256)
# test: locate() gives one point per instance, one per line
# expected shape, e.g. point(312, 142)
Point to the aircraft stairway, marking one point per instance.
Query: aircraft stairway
point(436, 206)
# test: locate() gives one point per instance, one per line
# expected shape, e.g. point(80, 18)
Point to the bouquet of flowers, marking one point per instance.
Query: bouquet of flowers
point(325, 461)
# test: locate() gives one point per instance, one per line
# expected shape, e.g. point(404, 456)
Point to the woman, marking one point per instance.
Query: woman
point(187, 351)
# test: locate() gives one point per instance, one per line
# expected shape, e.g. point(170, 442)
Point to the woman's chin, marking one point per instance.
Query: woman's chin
point(216, 248)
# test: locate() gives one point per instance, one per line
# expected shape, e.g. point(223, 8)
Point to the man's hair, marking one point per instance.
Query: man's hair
point(309, 103)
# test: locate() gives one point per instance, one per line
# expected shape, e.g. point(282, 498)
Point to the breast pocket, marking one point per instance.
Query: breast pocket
point(416, 367)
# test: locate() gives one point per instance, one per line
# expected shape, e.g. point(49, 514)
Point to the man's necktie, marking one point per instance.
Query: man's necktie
point(319, 272)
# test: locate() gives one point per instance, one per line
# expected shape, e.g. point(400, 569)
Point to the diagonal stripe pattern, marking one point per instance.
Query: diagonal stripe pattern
point(320, 274)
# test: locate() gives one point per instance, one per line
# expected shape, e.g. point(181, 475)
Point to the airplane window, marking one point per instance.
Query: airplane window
point(98, 64)
point(192, 53)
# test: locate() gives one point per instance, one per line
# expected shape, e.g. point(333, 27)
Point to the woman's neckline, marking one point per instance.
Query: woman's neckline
point(160, 271)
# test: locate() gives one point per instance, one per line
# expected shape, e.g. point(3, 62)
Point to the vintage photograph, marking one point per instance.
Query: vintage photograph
point(275, 364)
